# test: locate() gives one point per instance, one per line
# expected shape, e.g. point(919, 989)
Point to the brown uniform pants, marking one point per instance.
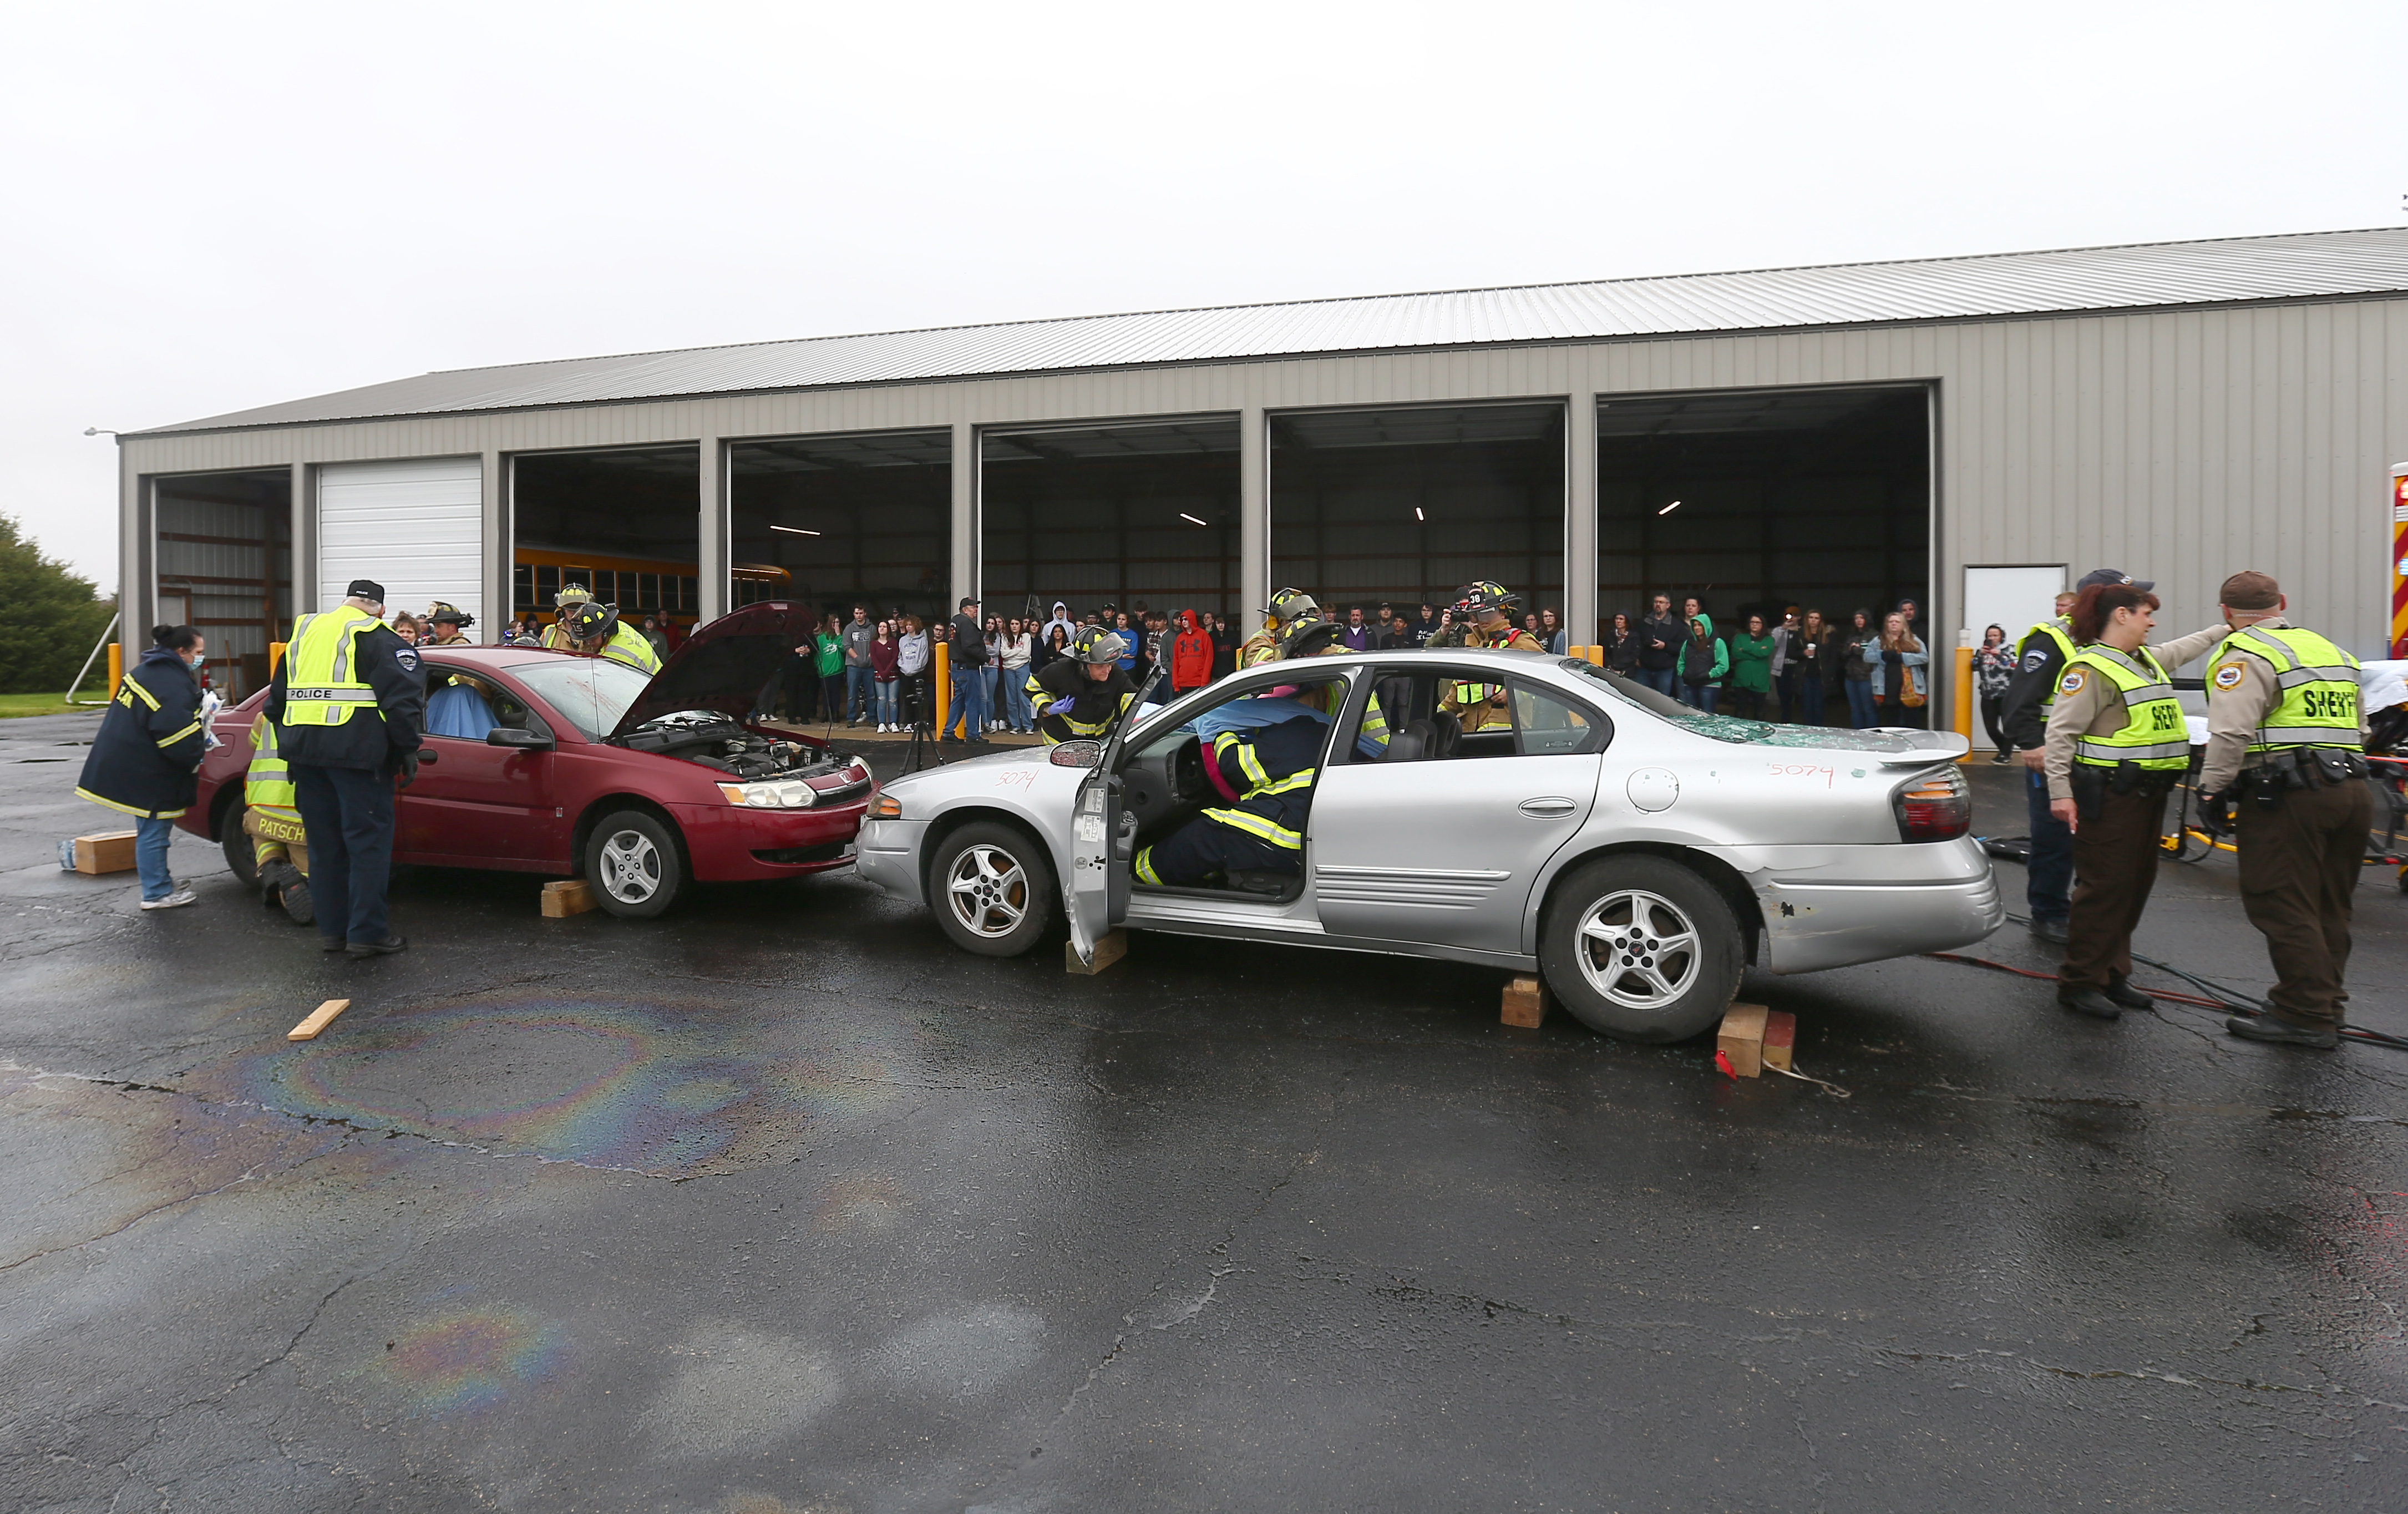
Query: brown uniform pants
point(2299, 862)
point(2115, 858)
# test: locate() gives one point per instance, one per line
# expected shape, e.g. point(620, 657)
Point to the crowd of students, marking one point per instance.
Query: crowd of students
point(1804, 670)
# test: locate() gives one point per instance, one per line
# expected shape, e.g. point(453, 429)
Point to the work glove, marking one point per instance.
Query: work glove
point(2215, 814)
point(408, 769)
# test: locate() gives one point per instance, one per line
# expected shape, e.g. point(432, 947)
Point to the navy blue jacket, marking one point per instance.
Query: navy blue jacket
point(145, 759)
point(371, 740)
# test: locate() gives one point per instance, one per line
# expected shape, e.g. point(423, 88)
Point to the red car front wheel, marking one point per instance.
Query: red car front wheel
point(633, 864)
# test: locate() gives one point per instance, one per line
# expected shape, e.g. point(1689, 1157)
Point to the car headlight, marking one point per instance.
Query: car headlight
point(789, 795)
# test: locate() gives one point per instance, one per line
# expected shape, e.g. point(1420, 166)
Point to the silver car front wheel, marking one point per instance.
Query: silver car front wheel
point(1640, 947)
point(987, 891)
point(993, 887)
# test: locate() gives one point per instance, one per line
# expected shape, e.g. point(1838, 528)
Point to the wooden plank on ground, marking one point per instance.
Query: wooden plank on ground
point(569, 896)
point(1109, 948)
point(1526, 1003)
point(1743, 1039)
point(319, 1019)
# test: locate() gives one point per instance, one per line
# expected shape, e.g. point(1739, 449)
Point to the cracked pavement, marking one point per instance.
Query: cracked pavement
point(780, 1204)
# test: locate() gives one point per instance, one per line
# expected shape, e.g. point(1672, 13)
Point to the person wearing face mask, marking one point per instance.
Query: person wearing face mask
point(145, 758)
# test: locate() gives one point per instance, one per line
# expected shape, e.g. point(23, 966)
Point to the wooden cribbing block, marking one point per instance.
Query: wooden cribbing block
point(1780, 1038)
point(1526, 1003)
point(1109, 948)
point(569, 896)
point(1743, 1039)
point(319, 1019)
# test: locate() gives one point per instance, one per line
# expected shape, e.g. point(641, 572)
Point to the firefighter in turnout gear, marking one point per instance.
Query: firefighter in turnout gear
point(594, 630)
point(556, 635)
point(444, 624)
point(1288, 608)
point(1314, 637)
point(1078, 695)
point(2285, 734)
point(349, 700)
point(1485, 612)
point(2116, 742)
point(271, 817)
point(1256, 840)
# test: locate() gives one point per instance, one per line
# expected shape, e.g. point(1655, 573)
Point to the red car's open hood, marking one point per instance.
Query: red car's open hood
point(727, 665)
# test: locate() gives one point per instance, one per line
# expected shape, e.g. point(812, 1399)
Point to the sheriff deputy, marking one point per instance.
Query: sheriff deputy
point(2284, 734)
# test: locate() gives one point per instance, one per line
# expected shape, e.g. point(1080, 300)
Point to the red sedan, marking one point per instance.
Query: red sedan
point(541, 761)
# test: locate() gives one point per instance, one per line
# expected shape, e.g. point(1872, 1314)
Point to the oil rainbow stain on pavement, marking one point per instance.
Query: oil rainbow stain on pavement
point(467, 1360)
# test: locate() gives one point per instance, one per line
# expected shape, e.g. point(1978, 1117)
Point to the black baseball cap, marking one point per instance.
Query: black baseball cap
point(365, 588)
point(2113, 575)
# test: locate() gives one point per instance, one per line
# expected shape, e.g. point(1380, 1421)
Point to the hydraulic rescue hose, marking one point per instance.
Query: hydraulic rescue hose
point(2218, 1000)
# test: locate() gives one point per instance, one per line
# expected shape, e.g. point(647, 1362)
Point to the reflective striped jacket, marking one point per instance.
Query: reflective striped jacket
point(150, 745)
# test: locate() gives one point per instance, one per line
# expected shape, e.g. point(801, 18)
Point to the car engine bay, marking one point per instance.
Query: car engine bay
point(720, 741)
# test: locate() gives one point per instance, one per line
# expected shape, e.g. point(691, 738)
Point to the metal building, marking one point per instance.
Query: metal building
point(1953, 430)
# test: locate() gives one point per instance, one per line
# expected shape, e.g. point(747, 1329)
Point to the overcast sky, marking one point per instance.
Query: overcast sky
point(213, 207)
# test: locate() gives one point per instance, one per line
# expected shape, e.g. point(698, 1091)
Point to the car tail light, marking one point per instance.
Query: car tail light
point(1933, 805)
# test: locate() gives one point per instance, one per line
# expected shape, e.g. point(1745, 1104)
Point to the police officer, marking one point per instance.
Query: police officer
point(1485, 612)
point(348, 702)
point(2041, 660)
point(1078, 695)
point(1269, 773)
point(444, 624)
point(271, 817)
point(570, 596)
point(596, 631)
point(2114, 746)
point(2284, 733)
point(1288, 607)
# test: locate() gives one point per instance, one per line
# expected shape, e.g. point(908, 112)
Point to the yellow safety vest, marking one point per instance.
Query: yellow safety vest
point(322, 682)
point(2153, 734)
point(628, 645)
point(2059, 630)
point(2318, 680)
point(266, 784)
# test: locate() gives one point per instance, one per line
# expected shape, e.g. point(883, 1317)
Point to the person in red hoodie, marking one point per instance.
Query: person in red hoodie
point(1191, 654)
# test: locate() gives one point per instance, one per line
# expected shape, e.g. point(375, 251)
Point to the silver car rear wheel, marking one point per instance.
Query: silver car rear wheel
point(1638, 949)
point(1639, 946)
point(991, 886)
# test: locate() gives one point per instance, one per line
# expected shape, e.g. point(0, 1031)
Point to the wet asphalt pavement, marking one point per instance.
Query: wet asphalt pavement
point(781, 1203)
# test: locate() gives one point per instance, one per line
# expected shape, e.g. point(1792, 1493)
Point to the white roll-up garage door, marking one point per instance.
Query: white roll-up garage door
point(414, 525)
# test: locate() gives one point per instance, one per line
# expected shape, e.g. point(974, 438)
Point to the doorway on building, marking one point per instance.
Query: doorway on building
point(625, 525)
point(1137, 516)
point(1755, 500)
point(837, 521)
point(222, 556)
point(1406, 506)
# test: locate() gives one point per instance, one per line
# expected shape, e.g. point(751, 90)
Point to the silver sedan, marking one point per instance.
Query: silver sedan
point(1504, 808)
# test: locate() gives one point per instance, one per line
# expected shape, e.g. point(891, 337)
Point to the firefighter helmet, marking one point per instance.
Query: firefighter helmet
point(590, 621)
point(1098, 646)
point(440, 612)
point(1487, 594)
point(571, 594)
point(1310, 637)
point(1291, 605)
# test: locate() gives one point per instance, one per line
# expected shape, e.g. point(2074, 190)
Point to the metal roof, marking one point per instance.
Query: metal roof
point(2313, 265)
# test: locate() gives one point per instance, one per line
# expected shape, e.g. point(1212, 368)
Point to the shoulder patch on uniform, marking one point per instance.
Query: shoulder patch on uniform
point(2228, 675)
point(408, 657)
point(2035, 659)
point(2072, 681)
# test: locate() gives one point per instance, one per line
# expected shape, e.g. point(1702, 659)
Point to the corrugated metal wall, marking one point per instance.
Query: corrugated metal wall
point(2178, 446)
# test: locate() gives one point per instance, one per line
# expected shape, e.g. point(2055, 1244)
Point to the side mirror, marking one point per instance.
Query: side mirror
point(524, 741)
point(1076, 755)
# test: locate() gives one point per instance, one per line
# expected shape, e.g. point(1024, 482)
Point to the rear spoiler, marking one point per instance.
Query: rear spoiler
point(1938, 746)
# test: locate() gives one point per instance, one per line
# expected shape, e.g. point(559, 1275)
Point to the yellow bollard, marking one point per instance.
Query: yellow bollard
point(1964, 701)
point(116, 666)
point(275, 656)
point(940, 655)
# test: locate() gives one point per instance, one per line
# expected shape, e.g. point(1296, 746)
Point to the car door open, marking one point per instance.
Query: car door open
point(1442, 837)
point(1096, 891)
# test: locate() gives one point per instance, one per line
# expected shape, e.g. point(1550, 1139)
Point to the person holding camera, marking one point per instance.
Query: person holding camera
point(2284, 772)
point(2115, 744)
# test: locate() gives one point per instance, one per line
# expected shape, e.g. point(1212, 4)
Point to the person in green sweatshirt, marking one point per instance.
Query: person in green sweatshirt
point(1751, 669)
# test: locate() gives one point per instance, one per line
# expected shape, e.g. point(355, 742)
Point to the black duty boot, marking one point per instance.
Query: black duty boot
point(2049, 929)
point(2122, 992)
point(376, 948)
point(2281, 1033)
point(274, 878)
point(297, 908)
point(2088, 1002)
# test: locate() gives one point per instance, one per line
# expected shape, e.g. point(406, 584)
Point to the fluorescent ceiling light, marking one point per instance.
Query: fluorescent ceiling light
point(1183, 515)
point(1669, 508)
point(794, 530)
point(1417, 514)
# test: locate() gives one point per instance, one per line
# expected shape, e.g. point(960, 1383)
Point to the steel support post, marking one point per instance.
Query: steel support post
point(967, 548)
point(1580, 520)
point(1254, 516)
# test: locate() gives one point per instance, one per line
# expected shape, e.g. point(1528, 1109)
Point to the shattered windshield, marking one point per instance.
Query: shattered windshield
point(589, 693)
point(1732, 728)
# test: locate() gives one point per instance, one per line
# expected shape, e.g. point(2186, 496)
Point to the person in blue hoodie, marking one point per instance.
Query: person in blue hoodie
point(146, 760)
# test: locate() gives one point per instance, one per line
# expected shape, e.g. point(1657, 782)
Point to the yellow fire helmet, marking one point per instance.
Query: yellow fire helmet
point(571, 594)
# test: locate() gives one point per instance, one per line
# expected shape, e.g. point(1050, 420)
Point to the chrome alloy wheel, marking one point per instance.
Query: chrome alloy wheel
point(1638, 949)
point(988, 891)
point(631, 867)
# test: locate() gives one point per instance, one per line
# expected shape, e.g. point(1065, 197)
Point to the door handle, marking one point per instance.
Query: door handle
point(1550, 808)
point(427, 758)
